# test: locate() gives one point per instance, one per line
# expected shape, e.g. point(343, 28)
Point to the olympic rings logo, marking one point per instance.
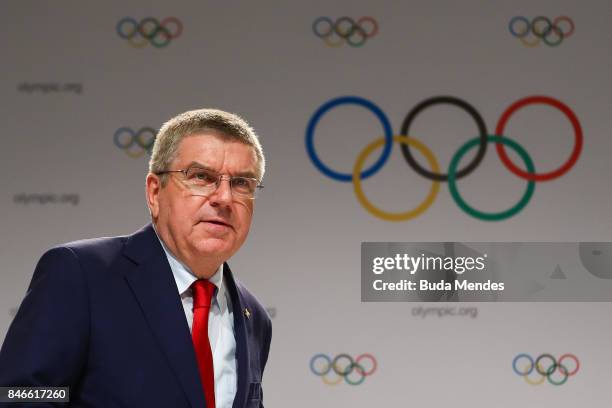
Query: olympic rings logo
point(345, 29)
point(541, 28)
point(135, 143)
point(409, 144)
point(149, 31)
point(343, 366)
point(545, 367)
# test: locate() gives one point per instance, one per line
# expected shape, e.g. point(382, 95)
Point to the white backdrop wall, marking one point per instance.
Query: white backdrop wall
point(69, 82)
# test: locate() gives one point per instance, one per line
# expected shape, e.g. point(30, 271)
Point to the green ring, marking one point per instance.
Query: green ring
point(561, 382)
point(452, 183)
point(354, 43)
point(554, 43)
point(351, 382)
point(163, 31)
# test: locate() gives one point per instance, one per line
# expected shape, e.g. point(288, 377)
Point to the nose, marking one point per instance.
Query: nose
point(222, 196)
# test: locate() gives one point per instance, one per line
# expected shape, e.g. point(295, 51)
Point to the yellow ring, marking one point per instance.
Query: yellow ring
point(538, 382)
point(137, 44)
point(388, 216)
point(530, 381)
point(533, 43)
point(135, 154)
point(329, 382)
point(331, 43)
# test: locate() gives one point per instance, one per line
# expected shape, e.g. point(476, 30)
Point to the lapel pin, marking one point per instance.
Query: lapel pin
point(247, 313)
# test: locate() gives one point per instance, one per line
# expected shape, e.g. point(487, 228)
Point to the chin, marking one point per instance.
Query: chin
point(213, 246)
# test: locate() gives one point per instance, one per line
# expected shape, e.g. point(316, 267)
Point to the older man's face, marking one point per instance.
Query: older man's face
point(195, 226)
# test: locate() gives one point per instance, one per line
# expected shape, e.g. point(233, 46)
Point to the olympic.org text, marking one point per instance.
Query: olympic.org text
point(46, 198)
point(444, 311)
point(50, 87)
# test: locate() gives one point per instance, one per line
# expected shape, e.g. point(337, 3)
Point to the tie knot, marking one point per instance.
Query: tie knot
point(203, 291)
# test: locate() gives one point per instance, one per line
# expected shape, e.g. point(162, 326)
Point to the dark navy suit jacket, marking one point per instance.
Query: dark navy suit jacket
point(104, 317)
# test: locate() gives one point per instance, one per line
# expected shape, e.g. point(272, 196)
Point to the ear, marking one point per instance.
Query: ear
point(153, 188)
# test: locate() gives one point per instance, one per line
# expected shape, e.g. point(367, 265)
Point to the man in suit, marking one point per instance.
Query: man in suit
point(156, 318)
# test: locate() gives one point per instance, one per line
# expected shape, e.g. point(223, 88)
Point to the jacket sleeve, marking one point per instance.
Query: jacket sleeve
point(46, 344)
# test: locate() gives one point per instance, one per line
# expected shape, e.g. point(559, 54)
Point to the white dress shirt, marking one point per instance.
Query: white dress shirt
point(220, 327)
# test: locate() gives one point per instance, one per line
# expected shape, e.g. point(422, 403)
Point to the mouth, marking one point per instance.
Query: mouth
point(218, 222)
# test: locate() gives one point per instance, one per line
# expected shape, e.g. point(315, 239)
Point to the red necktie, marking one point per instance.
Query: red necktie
point(203, 291)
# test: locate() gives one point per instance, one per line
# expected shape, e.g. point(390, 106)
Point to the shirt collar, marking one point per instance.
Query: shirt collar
point(183, 276)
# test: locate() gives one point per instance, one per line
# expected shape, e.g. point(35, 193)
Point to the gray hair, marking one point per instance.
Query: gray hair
point(223, 124)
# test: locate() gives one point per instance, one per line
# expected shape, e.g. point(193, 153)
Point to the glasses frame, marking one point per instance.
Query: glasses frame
point(220, 177)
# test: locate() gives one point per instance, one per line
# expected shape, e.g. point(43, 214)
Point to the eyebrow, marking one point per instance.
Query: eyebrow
point(248, 174)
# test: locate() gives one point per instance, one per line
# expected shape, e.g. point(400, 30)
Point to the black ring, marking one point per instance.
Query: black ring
point(351, 30)
point(150, 142)
point(545, 32)
point(357, 29)
point(152, 33)
point(348, 368)
point(550, 369)
point(451, 100)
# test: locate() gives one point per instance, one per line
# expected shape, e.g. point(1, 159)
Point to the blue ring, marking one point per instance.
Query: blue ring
point(325, 357)
point(120, 24)
point(514, 364)
point(355, 100)
point(118, 133)
point(511, 26)
point(315, 24)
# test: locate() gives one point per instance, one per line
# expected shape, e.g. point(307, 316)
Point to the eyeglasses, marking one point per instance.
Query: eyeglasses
point(205, 182)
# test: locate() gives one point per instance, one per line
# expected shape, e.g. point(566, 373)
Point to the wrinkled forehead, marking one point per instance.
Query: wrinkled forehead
point(218, 153)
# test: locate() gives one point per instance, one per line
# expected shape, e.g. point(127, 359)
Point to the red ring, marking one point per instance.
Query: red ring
point(568, 21)
point(361, 370)
point(501, 151)
point(568, 355)
point(371, 21)
point(177, 23)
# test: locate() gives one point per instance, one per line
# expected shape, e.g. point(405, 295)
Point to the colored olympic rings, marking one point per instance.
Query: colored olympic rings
point(545, 366)
point(135, 144)
point(345, 29)
point(433, 173)
point(541, 28)
point(149, 30)
point(344, 367)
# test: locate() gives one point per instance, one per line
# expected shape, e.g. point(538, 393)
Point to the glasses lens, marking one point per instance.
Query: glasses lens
point(205, 182)
point(201, 177)
point(201, 181)
point(244, 186)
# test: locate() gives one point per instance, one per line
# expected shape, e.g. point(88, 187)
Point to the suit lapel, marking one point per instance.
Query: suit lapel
point(153, 286)
point(241, 336)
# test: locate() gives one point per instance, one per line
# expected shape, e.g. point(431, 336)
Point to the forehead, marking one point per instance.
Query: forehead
point(214, 151)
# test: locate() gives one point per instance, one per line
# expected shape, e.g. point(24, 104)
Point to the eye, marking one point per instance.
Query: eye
point(202, 176)
point(243, 184)
point(240, 182)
